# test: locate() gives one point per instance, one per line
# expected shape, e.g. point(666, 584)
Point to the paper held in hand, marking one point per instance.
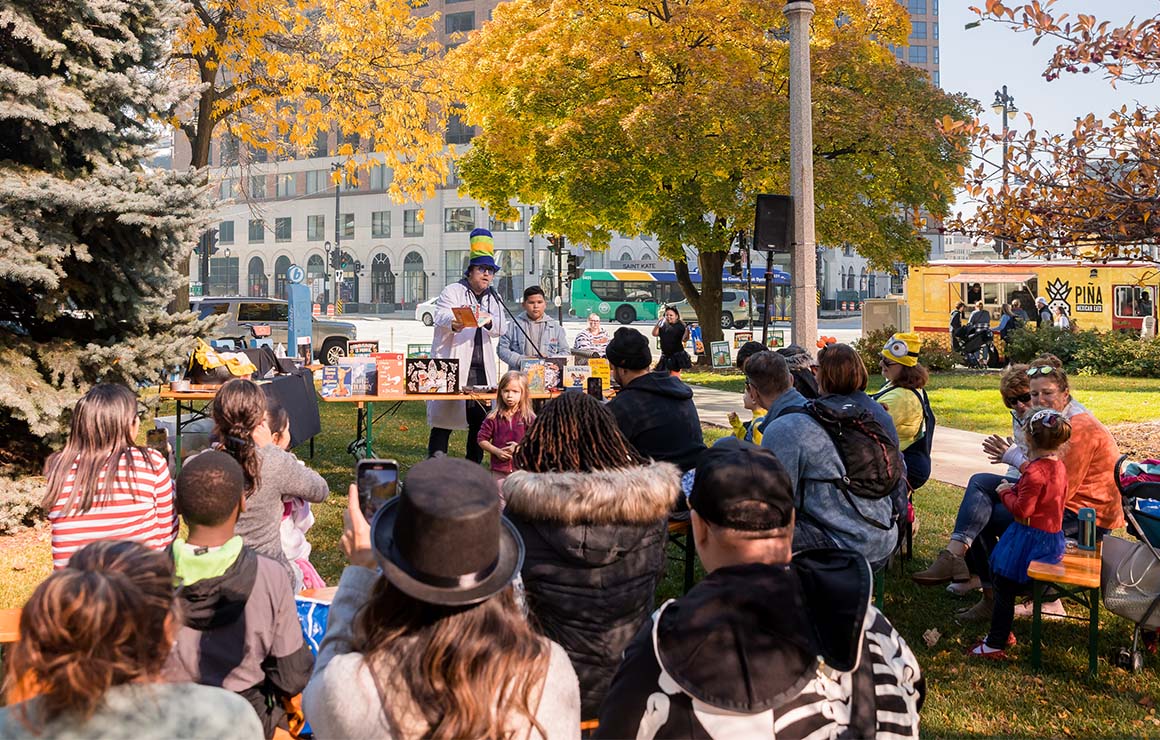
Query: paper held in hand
point(466, 316)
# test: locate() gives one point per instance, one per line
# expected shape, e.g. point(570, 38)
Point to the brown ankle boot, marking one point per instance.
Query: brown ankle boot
point(946, 567)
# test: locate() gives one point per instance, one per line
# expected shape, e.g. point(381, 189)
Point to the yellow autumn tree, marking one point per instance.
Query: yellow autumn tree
point(276, 72)
point(667, 118)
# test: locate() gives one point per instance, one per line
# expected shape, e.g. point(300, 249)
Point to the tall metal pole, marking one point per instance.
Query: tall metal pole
point(768, 299)
point(748, 281)
point(1004, 105)
point(560, 279)
point(801, 174)
point(337, 255)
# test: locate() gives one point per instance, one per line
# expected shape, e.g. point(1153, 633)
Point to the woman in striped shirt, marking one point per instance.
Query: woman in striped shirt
point(102, 486)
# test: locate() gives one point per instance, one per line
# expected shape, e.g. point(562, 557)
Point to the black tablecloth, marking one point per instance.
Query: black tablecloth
point(296, 394)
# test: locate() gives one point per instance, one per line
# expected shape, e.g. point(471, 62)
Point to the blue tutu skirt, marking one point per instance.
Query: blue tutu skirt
point(1021, 544)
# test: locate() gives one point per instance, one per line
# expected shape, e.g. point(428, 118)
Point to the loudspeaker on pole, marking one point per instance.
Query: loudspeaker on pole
point(773, 224)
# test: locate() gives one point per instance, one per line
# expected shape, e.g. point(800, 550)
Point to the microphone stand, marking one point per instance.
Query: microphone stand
point(491, 291)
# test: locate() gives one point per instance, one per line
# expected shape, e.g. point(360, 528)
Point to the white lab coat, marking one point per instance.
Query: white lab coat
point(459, 345)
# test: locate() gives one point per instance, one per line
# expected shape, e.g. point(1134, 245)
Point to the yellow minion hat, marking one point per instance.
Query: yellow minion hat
point(903, 348)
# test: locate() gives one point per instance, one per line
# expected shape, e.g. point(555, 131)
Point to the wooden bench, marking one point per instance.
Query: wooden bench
point(1076, 577)
point(9, 625)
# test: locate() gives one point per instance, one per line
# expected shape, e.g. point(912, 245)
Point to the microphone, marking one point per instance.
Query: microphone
point(491, 291)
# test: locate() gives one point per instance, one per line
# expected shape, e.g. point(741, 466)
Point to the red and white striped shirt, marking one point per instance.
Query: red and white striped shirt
point(140, 508)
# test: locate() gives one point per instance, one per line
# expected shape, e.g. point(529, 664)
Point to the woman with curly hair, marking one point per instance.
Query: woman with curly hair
point(242, 430)
point(93, 640)
point(593, 514)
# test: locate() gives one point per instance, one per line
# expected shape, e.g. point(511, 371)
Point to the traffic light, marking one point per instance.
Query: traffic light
point(573, 267)
point(735, 264)
point(207, 244)
point(553, 242)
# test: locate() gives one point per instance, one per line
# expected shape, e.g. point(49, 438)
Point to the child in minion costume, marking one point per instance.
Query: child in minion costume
point(904, 397)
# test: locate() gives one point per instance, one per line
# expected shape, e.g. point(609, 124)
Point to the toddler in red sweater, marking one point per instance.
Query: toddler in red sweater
point(505, 426)
point(1037, 503)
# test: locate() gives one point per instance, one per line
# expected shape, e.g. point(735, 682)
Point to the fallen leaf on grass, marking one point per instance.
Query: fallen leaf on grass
point(403, 427)
point(1146, 701)
point(931, 637)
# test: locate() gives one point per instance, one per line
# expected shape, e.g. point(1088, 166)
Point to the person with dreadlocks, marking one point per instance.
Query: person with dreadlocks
point(592, 512)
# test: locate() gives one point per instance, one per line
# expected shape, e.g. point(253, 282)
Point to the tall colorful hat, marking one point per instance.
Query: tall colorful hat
point(903, 348)
point(482, 250)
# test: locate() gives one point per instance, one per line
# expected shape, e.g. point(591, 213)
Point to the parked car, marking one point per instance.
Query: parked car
point(328, 337)
point(425, 312)
point(733, 309)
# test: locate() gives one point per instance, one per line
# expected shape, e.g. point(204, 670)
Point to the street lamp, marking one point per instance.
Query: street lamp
point(336, 167)
point(1004, 106)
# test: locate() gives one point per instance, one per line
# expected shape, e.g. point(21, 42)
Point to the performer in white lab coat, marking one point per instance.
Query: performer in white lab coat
point(473, 347)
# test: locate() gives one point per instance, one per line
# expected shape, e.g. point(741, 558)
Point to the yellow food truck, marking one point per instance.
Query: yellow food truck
point(1094, 295)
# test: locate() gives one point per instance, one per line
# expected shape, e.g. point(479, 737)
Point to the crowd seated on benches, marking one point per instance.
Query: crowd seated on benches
point(455, 618)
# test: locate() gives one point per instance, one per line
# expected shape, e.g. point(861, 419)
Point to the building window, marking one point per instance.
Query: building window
point(917, 55)
point(321, 144)
point(934, 28)
point(414, 279)
point(935, 54)
point(934, 7)
point(257, 186)
point(280, 267)
point(229, 149)
point(936, 79)
point(223, 276)
point(458, 132)
point(315, 228)
point(412, 226)
point(381, 226)
point(257, 284)
point(257, 231)
point(347, 225)
point(517, 225)
point(285, 185)
point(316, 278)
point(382, 280)
point(282, 229)
point(458, 219)
point(226, 188)
point(380, 177)
point(226, 232)
point(454, 264)
point(459, 22)
point(917, 30)
point(317, 181)
point(916, 7)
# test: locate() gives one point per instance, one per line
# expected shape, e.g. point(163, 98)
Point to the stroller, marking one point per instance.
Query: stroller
point(977, 346)
point(1131, 584)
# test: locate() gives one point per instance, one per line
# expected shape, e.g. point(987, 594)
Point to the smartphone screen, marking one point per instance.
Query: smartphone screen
point(378, 482)
point(596, 388)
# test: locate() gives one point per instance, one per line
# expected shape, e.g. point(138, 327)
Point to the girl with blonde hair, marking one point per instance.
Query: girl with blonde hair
point(505, 427)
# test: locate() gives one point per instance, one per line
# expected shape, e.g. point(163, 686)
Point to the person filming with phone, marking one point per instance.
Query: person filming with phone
point(471, 345)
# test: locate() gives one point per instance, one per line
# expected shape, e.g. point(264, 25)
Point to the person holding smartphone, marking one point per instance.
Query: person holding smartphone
point(673, 334)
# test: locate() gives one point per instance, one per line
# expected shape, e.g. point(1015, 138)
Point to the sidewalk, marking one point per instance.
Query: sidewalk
point(955, 457)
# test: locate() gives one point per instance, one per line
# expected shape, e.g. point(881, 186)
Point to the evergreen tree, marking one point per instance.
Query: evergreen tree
point(89, 235)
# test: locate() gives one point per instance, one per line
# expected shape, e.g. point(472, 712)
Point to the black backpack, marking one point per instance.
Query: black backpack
point(863, 445)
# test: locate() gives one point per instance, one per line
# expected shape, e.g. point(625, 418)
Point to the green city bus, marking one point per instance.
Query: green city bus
point(639, 295)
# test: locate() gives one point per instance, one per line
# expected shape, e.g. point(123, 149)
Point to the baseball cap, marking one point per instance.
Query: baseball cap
point(742, 486)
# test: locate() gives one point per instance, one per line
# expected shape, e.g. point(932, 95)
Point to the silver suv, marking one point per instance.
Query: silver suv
point(733, 309)
point(328, 337)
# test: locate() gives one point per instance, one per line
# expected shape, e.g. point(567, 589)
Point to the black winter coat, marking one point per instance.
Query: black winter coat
point(657, 415)
point(594, 552)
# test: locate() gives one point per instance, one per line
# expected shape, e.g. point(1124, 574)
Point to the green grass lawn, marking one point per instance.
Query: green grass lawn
point(970, 400)
point(964, 698)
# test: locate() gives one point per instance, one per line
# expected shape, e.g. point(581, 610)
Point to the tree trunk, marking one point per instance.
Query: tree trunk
point(707, 301)
point(199, 146)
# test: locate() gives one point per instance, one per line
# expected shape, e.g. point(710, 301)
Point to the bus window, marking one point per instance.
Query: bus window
point(639, 291)
point(608, 290)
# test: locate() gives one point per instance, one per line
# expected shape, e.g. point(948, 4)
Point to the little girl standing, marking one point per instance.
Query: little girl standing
point(505, 426)
point(297, 519)
point(1036, 502)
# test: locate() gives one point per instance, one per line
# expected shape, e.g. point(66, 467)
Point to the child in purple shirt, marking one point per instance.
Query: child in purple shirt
point(505, 426)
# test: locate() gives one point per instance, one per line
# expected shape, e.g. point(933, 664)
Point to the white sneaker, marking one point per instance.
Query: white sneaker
point(965, 588)
point(1049, 610)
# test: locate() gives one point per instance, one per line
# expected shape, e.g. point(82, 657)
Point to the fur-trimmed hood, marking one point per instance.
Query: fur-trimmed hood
point(638, 495)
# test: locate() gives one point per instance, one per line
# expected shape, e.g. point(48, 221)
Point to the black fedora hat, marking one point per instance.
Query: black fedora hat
point(443, 539)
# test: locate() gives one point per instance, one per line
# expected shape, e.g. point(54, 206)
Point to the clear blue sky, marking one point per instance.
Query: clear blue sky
point(981, 60)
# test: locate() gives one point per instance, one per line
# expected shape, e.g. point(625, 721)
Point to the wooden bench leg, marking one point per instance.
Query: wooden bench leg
point(1093, 630)
point(690, 555)
point(1036, 622)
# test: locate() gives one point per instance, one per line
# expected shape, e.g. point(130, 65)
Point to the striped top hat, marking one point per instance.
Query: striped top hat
point(482, 250)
